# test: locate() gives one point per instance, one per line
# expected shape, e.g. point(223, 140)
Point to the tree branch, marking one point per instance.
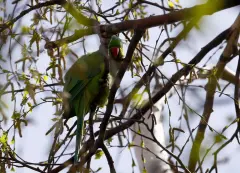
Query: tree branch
point(80, 18)
point(185, 14)
point(227, 56)
point(36, 87)
point(109, 159)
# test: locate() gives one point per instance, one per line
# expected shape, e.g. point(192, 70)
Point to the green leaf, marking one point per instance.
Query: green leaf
point(137, 99)
point(99, 169)
point(16, 115)
point(133, 163)
point(55, 119)
point(99, 154)
point(5, 71)
point(109, 140)
point(144, 170)
point(139, 131)
point(12, 169)
point(219, 138)
point(24, 100)
point(178, 61)
point(3, 139)
point(117, 12)
point(45, 78)
point(35, 38)
point(12, 141)
point(142, 144)
point(130, 145)
point(170, 4)
point(2, 59)
point(159, 61)
point(178, 129)
point(25, 29)
point(218, 85)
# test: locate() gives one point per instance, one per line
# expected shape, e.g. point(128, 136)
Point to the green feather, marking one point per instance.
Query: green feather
point(80, 105)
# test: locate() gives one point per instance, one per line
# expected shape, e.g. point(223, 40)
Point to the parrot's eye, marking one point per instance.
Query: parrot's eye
point(114, 51)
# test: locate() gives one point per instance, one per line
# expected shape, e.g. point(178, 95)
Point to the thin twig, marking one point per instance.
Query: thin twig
point(109, 158)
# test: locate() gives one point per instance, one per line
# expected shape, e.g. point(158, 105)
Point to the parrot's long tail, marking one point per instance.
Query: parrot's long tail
point(80, 109)
point(78, 137)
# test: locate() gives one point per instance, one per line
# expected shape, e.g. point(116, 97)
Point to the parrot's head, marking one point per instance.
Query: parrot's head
point(115, 48)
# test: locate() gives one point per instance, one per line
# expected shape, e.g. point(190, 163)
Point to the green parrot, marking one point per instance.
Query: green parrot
point(83, 83)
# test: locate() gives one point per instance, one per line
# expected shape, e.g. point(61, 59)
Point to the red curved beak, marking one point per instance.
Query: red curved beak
point(114, 51)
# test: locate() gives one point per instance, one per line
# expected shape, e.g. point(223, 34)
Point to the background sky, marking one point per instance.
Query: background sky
point(34, 146)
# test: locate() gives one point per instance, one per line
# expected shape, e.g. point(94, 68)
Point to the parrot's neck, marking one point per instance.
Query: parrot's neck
point(114, 67)
point(113, 70)
point(113, 64)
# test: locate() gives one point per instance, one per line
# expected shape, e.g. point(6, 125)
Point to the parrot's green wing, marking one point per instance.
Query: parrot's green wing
point(82, 72)
point(82, 83)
